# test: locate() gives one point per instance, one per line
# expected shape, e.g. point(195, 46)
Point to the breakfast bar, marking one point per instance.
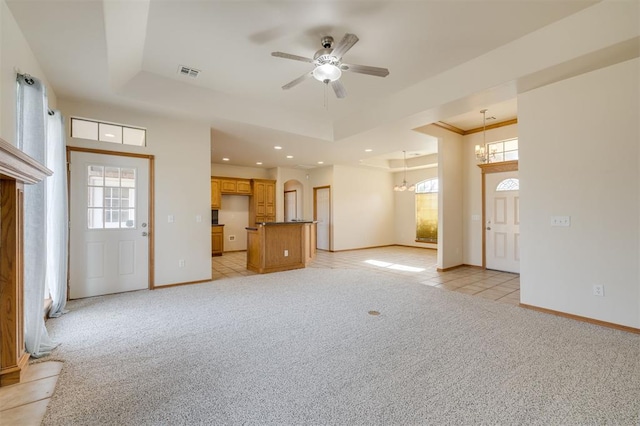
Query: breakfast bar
point(280, 246)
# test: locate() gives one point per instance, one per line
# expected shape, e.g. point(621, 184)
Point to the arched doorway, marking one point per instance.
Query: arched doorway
point(293, 200)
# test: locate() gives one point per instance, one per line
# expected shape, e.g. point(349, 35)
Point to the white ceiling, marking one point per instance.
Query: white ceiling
point(127, 53)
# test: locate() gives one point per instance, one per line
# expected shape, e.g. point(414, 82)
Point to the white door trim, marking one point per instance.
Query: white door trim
point(150, 222)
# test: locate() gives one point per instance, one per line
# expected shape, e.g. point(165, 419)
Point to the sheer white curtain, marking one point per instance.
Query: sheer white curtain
point(57, 216)
point(31, 132)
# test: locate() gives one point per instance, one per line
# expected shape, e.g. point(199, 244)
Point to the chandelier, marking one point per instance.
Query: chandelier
point(483, 154)
point(404, 186)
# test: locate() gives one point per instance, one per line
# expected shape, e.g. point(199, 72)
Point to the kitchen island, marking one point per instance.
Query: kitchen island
point(280, 246)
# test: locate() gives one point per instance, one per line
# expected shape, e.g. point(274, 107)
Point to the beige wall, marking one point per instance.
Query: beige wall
point(15, 56)
point(227, 170)
point(362, 203)
point(580, 157)
point(182, 185)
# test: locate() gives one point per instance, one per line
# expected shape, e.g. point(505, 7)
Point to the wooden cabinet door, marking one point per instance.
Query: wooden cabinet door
point(228, 186)
point(270, 200)
point(243, 186)
point(217, 240)
point(259, 198)
point(215, 194)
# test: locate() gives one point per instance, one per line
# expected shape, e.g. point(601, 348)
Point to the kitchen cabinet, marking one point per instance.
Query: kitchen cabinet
point(262, 203)
point(215, 194)
point(217, 240)
point(234, 186)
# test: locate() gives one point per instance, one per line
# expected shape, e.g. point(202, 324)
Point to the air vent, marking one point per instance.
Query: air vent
point(188, 72)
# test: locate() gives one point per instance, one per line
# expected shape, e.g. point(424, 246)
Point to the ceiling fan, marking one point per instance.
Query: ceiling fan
point(329, 66)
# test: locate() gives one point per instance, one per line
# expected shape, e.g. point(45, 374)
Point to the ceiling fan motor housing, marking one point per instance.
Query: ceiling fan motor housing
point(327, 42)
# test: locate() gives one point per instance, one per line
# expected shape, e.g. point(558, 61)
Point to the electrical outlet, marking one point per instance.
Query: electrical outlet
point(598, 290)
point(563, 221)
point(232, 237)
point(286, 253)
point(181, 263)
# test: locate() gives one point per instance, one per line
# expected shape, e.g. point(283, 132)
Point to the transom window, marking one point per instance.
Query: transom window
point(108, 132)
point(427, 211)
point(511, 184)
point(111, 198)
point(503, 150)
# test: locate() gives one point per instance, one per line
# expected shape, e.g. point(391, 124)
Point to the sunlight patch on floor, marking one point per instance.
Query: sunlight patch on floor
point(395, 266)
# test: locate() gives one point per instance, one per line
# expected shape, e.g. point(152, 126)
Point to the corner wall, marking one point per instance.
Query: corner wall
point(580, 157)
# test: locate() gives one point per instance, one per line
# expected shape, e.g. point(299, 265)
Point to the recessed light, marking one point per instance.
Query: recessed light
point(110, 135)
point(225, 159)
point(320, 162)
point(289, 156)
point(259, 163)
point(368, 150)
point(277, 147)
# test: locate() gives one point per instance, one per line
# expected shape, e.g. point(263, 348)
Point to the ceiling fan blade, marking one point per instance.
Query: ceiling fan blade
point(290, 56)
point(339, 89)
point(345, 44)
point(365, 69)
point(297, 81)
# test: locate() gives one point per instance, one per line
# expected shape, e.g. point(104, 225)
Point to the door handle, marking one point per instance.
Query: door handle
point(145, 234)
point(488, 228)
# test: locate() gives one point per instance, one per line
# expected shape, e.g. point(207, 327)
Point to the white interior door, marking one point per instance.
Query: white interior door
point(108, 229)
point(503, 221)
point(290, 205)
point(323, 216)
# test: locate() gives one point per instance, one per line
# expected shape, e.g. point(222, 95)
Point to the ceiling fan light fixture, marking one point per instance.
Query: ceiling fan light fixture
point(327, 73)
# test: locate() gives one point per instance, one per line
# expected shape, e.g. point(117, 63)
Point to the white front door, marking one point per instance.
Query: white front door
point(108, 224)
point(503, 221)
point(323, 215)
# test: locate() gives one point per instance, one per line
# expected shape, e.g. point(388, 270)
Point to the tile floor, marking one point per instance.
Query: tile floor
point(412, 263)
point(25, 403)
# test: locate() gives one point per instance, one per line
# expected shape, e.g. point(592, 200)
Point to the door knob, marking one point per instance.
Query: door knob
point(488, 228)
point(144, 234)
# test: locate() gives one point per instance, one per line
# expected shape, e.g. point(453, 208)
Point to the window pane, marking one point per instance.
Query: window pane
point(112, 176)
point(510, 184)
point(96, 175)
point(127, 218)
point(95, 196)
point(84, 129)
point(134, 136)
point(128, 177)
point(112, 218)
point(510, 155)
point(511, 145)
point(94, 217)
point(110, 133)
point(112, 197)
point(497, 157)
point(427, 217)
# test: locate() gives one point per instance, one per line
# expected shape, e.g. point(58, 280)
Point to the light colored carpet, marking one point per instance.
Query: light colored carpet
point(299, 347)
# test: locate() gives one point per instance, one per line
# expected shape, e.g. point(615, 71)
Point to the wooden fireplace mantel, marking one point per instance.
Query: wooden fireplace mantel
point(16, 170)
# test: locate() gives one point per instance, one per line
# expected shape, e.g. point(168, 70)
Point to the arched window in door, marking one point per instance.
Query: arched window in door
point(427, 211)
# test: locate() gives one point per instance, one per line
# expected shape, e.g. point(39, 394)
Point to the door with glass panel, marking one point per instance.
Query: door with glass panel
point(108, 227)
point(503, 221)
